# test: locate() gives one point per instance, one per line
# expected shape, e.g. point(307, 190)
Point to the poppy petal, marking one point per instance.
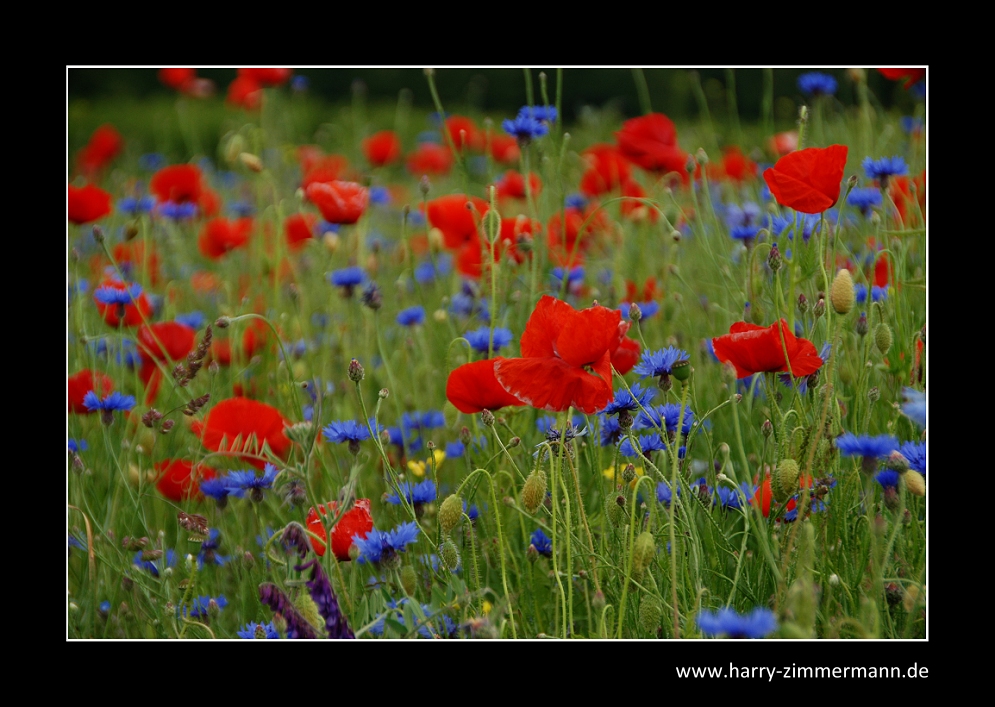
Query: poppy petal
point(808, 180)
point(473, 388)
point(554, 385)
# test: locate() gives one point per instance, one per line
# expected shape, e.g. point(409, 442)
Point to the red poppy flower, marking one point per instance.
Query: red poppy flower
point(178, 183)
point(473, 387)
point(299, 229)
point(504, 149)
point(105, 144)
point(763, 495)
point(651, 142)
point(882, 270)
point(243, 426)
point(321, 168)
point(566, 357)
point(465, 133)
point(808, 180)
point(131, 314)
point(178, 78)
point(255, 337)
point(457, 222)
point(339, 202)
point(512, 185)
point(737, 166)
point(178, 479)
point(79, 384)
point(606, 170)
point(911, 76)
point(513, 232)
point(631, 207)
point(165, 342)
point(88, 204)
point(900, 191)
point(382, 148)
point(469, 258)
point(356, 521)
point(569, 250)
point(430, 159)
point(133, 253)
point(756, 349)
point(626, 356)
point(648, 294)
point(218, 236)
point(267, 76)
point(783, 143)
point(244, 92)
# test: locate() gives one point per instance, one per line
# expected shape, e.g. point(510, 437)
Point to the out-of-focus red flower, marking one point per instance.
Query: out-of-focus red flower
point(504, 148)
point(568, 249)
point(636, 210)
point(882, 270)
point(321, 168)
point(356, 521)
point(164, 342)
point(763, 496)
point(209, 203)
point(178, 78)
point(451, 215)
point(179, 480)
point(267, 76)
point(79, 384)
point(783, 143)
point(254, 338)
point(606, 170)
point(911, 76)
point(647, 294)
point(650, 141)
point(178, 183)
point(382, 148)
point(105, 144)
point(513, 232)
point(131, 314)
point(430, 159)
point(299, 229)
point(204, 282)
point(133, 253)
point(737, 166)
point(469, 258)
point(900, 191)
point(465, 133)
point(339, 202)
point(808, 180)
point(245, 92)
point(512, 185)
point(473, 387)
point(626, 356)
point(88, 204)
point(243, 426)
point(219, 236)
point(566, 357)
point(756, 349)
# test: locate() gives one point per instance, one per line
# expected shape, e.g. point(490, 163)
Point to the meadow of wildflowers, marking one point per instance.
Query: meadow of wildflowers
point(640, 376)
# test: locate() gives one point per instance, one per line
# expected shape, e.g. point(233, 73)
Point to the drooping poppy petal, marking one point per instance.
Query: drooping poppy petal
point(356, 521)
point(589, 334)
point(626, 356)
point(88, 204)
point(243, 425)
point(808, 180)
point(756, 349)
point(473, 388)
point(554, 385)
point(179, 480)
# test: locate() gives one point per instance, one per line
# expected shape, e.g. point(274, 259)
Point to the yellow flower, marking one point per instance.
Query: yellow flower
point(609, 474)
point(487, 607)
point(419, 468)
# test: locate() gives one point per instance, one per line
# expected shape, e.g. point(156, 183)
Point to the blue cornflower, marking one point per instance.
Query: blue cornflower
point(177, 212)
point(877, 293)
point(542, 544)
point(746, 215)
point(646, 309)
point(915, 453)
point(911, 125)
point(77, 446)
point(411, 316)
point(816, 84)
point(574, 275)
point(201, 605)
point(107, 406)
point(113, 296)
point(379, 196)
point(381, 546)
point(869, 448)
point(434, 625)
point(130, 205)
point(152, 161)
point(915, 406)
point(525, 128)
point(194, 319)
point(647, 443)
point(888, 478)
point(346, 431)
point(864, 198)
point(726, 622)
point(479, 338)
point(323, 227)
point(547, 424)
point(74, 542)
point(347, 277)
point(611, 431)
point(428, 271)
point(241, 209)
point(659, 363)
point(624, 400)
point(664, 494)
point(238, 482)
point(423, 420)
point(254, 630)
point(155, 565)
point(104, 608)
point(731, 498)
point(744, 233)
point(423, 492)
point(575, 201)
point(541, 113)
point(455, 450)
point(664, 417)
point(885, 167)
point(217, 489)
point(298, 84)
point(208, 548)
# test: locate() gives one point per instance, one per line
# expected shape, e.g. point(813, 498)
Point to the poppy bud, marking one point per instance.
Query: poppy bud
point(643, 552)
point(774, 258)
point(222, 322)
point(802, 303)
point(628, 473)
point(252, 163)
point(615, 510)
point(514, 442)
point(356, 372)
point(820, 308)
point(690, 165)
point(449, 555)
point(861, 326)
point(841, 294)
point(534, 491)
point(492, 225)
point(98, 234)
point(852, 181)
point(649, 614)
point(424, 185)
point(883, 338)
point(450, 513)
point(409, 579)
point(785, 481)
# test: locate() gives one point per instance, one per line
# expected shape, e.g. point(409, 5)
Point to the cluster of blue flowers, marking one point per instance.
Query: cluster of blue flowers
point(817, 84)
point(423, 492)
point(380, 546)
point(480, 338)
point(237, 483)
point(728, 623)
point(884, 167)
point(530, 123)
